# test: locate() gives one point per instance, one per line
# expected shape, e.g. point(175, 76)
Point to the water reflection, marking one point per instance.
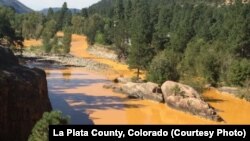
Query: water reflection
point(66, 74)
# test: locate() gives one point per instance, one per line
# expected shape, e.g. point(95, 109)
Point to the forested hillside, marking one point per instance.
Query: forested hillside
point(197, 41)
point(208, 41)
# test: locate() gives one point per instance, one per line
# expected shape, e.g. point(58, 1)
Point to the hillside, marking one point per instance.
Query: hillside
point(18, 6)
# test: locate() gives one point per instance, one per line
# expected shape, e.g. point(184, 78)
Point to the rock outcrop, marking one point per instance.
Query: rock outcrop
point(150, 91)
point(185, 98)
point(23, 97)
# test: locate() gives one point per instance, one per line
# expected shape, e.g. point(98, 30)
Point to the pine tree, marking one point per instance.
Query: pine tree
point(140, 52)
point(120, 31)
point(67, 39)
point(84, 13)
point(61, 16)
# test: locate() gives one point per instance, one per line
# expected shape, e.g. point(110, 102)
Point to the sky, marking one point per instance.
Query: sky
point(41, 4)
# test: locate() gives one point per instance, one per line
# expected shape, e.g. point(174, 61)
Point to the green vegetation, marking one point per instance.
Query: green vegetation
point(67, 40)
point(41, 129)
point(197, 41)
point(176, 90)
point(163, 67)
point(8, 35)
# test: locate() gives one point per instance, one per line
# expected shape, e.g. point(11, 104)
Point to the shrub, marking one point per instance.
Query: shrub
point(99, 38)
point(41, 129)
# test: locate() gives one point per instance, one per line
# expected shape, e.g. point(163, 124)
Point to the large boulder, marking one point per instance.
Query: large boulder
point(141, 91)
point(185, 98)
point(23, 97)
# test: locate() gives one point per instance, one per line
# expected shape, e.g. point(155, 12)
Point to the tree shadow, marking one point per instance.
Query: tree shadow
point(78, 105)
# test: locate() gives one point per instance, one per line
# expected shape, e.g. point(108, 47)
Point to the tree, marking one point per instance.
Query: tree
point(50, 14)
point(33, 25)
point(94, 24)
point(67, 39)
point(120, 31)
point(78, 24)
point(8, 35)
point(84, 13)
point(164, 67)
point(41, 129)
point(61, 17)
point(239, 72)
point(48, 33)
point(140, 51)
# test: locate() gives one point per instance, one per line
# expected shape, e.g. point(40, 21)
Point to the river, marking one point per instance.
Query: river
point(79, 93)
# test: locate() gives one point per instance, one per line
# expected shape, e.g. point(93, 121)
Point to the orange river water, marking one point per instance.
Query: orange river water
point(79, 93)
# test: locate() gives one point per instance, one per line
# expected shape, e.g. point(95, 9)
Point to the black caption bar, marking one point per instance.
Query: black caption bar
point(169, 132)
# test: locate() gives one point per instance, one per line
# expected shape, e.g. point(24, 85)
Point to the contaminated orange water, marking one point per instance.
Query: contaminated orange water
point(79, 49)
point(86, 100)
point(79, 93)
point(232, 109)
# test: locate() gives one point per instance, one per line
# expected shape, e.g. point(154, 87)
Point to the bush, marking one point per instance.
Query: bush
point(99, 38)
point(41, 129)
point(164, 67)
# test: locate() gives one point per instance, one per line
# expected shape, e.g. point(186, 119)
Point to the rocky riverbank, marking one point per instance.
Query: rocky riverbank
point(175, 95)
point(23, 97)
point(65, 60)
point(103, 52)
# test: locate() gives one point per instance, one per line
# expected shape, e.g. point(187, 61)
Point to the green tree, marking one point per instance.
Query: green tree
point(8, 35)
point(41, 129)
point(84, 13)
point(61, 16)
point(94, 24)
point(33, 25)
point(67, 39)
point(164, 67)
point(140, 51)
point(78, 24)
point(239, 72)
point(50, 14)
point(120, 31)
point(48, 33)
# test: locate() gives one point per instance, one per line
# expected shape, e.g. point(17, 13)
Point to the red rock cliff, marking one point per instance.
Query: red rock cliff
point(23, 97)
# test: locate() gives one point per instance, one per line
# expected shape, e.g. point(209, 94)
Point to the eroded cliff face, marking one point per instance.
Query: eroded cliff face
point(23, 97)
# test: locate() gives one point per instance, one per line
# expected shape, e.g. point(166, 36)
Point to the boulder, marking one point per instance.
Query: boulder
point(141, 91)
point(23, 97)
point(185, 98)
